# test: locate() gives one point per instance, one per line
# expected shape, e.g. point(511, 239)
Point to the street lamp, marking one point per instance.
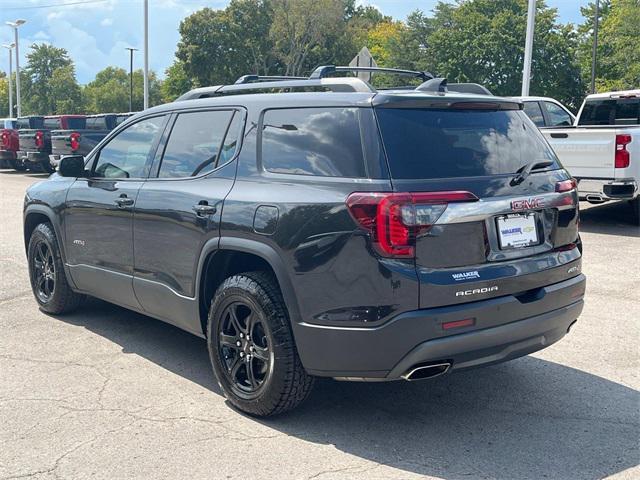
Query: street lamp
point(146, 55)
point(131, 50)
point(15, 26)
point(9, 46)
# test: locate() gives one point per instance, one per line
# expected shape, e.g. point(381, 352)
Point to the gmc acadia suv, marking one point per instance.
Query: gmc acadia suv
point(320, 228)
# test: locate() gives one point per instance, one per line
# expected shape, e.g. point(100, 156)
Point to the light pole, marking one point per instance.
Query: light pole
point(528, 48)
point(131, 50)
point(146, 54)
point(596, 20)
point(15, 26)
point(9, 46)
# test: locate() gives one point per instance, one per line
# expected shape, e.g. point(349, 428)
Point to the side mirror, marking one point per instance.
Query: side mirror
point(71, 166)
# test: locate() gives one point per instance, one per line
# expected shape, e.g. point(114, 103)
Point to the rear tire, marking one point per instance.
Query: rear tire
point(46, 272)
point(251, 346)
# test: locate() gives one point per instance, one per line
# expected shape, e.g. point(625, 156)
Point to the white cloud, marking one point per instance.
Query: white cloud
point(107, 22)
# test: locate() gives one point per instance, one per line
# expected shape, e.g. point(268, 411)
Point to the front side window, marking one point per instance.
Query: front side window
point(195, 143)
point(313, 141)
point(127, 154)
point(533, 111)
point(558, 117)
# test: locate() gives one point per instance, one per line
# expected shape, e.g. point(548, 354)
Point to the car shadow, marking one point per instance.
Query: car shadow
point(25, 173)
point(610, 218)
point(526, 419)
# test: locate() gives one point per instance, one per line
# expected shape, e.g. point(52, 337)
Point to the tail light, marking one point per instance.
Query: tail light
point(396, 219)
point(75, 141)
point(5, 136)
point(566, 185)
point(39, 139)
point(622, 154)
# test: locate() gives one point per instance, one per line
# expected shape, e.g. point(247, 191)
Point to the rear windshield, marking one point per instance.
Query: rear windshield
point(429, 143)
point(30, 122)
point(75, 123)
point(615, 111)
point(96, 123)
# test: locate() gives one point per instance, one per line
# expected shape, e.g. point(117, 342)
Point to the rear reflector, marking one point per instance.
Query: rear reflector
point(623, 158)
point(396, 219)
point(467, 322)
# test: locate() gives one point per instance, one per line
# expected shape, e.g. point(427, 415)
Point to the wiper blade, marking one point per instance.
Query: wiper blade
point(524, 171)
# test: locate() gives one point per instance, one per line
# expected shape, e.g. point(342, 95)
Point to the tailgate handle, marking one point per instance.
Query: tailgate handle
point(559, 135)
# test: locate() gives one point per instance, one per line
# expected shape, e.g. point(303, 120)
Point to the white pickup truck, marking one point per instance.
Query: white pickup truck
point(602, 148)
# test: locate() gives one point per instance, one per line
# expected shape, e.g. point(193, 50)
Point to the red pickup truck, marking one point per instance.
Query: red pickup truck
point(9, 141)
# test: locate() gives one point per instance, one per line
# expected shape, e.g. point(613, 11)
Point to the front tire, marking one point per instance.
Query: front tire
point(251, 347)
point(46, 272)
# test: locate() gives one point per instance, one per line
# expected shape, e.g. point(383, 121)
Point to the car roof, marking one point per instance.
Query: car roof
point(322, 99)
point(633, 93)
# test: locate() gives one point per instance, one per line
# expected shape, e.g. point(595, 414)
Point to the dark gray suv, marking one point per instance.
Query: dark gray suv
point(320, 228)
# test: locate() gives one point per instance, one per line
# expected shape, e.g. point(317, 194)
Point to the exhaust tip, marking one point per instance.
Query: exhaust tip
point(595, 199)
point(422, 372)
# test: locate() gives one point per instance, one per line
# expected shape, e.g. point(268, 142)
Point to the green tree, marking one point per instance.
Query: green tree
point(4, 95)
point(618, 55)
point(301, 28)
point(218, 46)
point(176, 82)
point(109, 91)
point(38, 95)
point(483, 41)
point(65, 91)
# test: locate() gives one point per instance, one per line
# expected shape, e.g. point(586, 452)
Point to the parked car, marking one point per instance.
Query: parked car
point(602, 149)
point(547, 112)
point(9, 140)
point(80, 141)
point(35, 143)
point(360, 234)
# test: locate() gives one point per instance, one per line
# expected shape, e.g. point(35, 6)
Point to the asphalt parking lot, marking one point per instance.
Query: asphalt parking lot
point(107, 393)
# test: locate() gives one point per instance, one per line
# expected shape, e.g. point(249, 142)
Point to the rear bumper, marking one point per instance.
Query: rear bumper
point(34, 157)
point(54, 160)
point(7, 155)
point(505, 328)
point(598, 189)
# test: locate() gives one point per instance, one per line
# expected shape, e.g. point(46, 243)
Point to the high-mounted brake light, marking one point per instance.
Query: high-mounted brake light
point(623, 158)
point(396, 219)
point(566, 185)
point(39, 139)
point(74, 140)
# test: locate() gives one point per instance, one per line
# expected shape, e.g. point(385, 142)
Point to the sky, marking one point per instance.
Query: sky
point(96, 32)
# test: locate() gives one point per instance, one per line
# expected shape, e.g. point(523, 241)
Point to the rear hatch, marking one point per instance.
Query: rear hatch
point(475, 227)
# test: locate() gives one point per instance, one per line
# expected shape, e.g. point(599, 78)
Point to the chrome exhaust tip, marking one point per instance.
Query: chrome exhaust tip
point(595, 199)
point(423, 372)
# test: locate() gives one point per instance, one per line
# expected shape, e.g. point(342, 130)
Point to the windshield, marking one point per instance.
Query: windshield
point(429, 143)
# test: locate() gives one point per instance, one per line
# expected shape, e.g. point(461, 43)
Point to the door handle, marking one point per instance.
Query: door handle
point(123, 201)
point(204, 209)
point(559, 135)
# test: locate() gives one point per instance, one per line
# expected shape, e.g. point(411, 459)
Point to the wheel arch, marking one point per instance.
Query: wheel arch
point(235, 255)
point(34, 215)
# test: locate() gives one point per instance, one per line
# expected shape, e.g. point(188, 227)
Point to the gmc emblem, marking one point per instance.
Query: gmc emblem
point(527, 204)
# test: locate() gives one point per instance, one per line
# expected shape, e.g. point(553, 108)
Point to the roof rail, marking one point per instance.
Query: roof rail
point(332, 84)
point(264, 78)
point(326, 70)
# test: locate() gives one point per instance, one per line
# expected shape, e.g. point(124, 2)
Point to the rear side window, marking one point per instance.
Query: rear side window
point(533, 111)
point(620, 111)
point(429, 143)
point(313, 141)
point(558, 117)
point(195, 143)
